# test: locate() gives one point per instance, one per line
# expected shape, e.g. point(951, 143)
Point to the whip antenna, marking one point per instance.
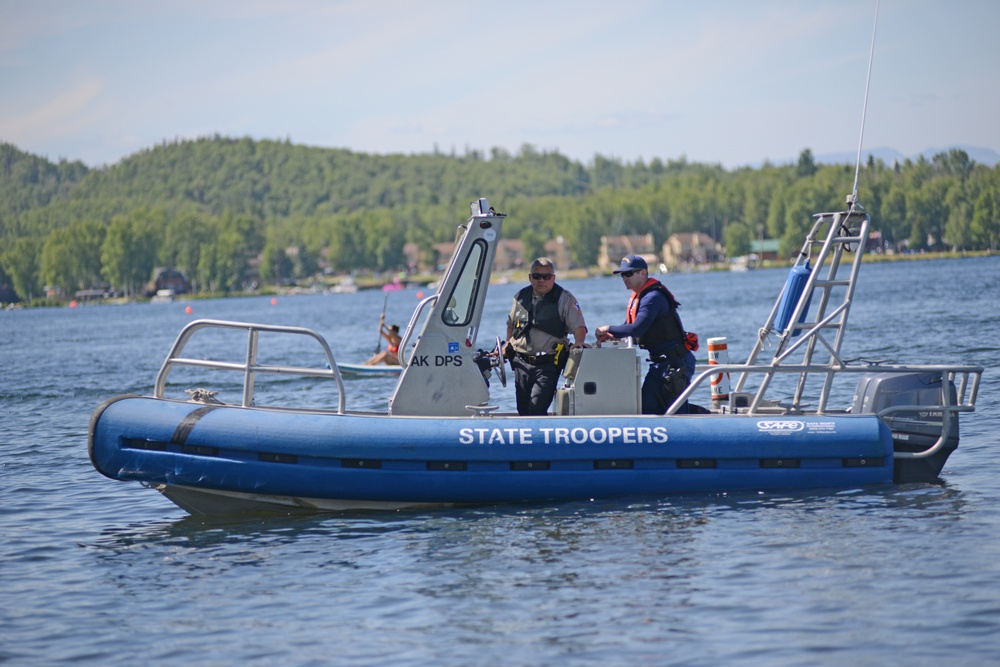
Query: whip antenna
point(864, 112)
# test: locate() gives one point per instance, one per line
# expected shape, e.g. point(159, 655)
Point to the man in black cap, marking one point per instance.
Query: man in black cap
point(652, 321)
point(540, 321)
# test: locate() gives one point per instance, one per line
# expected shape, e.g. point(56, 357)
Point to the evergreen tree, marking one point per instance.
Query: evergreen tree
point(21, 263)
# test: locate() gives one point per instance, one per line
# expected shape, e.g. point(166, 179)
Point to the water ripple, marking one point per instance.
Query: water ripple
point(109, 573)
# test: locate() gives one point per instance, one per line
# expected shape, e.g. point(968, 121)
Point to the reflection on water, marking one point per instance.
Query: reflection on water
point(718, 579)
point(543, 531)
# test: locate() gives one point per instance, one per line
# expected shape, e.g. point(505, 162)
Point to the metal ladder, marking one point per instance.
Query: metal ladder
point(832, 235)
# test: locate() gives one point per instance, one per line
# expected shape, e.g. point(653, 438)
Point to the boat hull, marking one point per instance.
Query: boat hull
point(319, 460)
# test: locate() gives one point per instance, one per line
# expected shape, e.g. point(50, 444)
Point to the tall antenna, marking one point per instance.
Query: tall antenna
point(864, 112)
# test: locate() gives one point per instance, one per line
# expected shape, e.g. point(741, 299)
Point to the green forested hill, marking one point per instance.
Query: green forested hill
point(28, 182)
point(270, 179)
point(209, 205)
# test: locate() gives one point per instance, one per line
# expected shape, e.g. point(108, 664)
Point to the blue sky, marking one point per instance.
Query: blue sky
point(730, 82)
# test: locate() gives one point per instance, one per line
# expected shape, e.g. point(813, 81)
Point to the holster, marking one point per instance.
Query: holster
point(672, 384)
point(560, 357)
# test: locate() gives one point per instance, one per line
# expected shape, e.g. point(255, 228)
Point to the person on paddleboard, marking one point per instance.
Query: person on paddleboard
point(391, 355)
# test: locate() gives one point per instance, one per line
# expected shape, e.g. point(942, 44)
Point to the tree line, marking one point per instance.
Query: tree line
point(209, 206)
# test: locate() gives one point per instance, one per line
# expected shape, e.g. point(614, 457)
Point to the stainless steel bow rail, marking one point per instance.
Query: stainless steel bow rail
point(249, 367)
point(830, 277)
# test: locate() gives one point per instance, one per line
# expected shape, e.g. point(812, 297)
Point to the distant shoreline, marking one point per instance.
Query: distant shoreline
point(777, 264)
point(373, 284)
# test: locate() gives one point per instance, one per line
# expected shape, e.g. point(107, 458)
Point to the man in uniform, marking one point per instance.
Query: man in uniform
point(538, 327)
point(652, 321)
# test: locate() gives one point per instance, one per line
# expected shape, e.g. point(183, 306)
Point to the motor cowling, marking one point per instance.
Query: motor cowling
point(914, 430)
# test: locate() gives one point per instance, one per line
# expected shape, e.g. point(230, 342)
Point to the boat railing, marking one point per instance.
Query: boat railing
point(824, 272)
point(828, 276)
point(249, 366)
point(965, 379)
point(404, 344)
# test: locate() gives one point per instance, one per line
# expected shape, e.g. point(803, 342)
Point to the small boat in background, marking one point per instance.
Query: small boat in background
point(743, 263)
point(163, 296)
point(345, 286)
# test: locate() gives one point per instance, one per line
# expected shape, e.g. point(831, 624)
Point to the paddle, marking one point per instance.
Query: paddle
point(378, 344)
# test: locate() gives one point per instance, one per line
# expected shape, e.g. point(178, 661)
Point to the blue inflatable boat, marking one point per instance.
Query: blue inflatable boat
point(441, 442)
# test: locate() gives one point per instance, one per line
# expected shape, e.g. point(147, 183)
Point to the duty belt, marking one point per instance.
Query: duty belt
point(535, 359)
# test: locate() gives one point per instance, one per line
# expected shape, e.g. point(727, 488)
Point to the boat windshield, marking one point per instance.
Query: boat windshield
point(462, 300)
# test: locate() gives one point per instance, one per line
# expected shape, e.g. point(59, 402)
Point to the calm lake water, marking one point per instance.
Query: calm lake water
point(94, 571)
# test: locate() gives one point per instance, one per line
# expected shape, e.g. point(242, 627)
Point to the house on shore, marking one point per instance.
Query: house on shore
point(765, 249)
point(613, 248)
point(691, 248)
point(167, 279)
point(509, 256)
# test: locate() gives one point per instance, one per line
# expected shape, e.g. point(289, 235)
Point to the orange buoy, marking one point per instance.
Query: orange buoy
point(274, 301)
point(189, 310)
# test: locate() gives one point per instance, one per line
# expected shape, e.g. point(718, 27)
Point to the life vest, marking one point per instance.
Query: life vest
point(667, 329)
point(544, 315)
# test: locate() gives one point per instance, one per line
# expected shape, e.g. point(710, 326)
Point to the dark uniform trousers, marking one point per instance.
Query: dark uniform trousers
point(668, 376)
point(534, 384)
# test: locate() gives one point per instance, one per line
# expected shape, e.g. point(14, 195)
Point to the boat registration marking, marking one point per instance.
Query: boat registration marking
point(437, 360)
point(614, 435)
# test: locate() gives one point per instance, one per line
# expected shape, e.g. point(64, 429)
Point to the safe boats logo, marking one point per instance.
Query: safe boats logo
point(780, 426)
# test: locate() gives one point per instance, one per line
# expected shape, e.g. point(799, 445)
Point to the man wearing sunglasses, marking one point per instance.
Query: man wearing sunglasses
point(538, 326)
point(652, 321)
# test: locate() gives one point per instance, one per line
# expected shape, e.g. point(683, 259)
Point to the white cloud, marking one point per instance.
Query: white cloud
point(63, 115)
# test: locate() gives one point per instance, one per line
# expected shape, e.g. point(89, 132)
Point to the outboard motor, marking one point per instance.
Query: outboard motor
point(912, 430)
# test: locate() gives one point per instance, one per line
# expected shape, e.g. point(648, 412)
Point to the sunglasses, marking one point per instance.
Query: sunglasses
point(627, 274)
point(541, 276)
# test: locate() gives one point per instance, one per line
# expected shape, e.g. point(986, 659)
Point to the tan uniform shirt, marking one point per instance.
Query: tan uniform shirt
point(539, 341)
